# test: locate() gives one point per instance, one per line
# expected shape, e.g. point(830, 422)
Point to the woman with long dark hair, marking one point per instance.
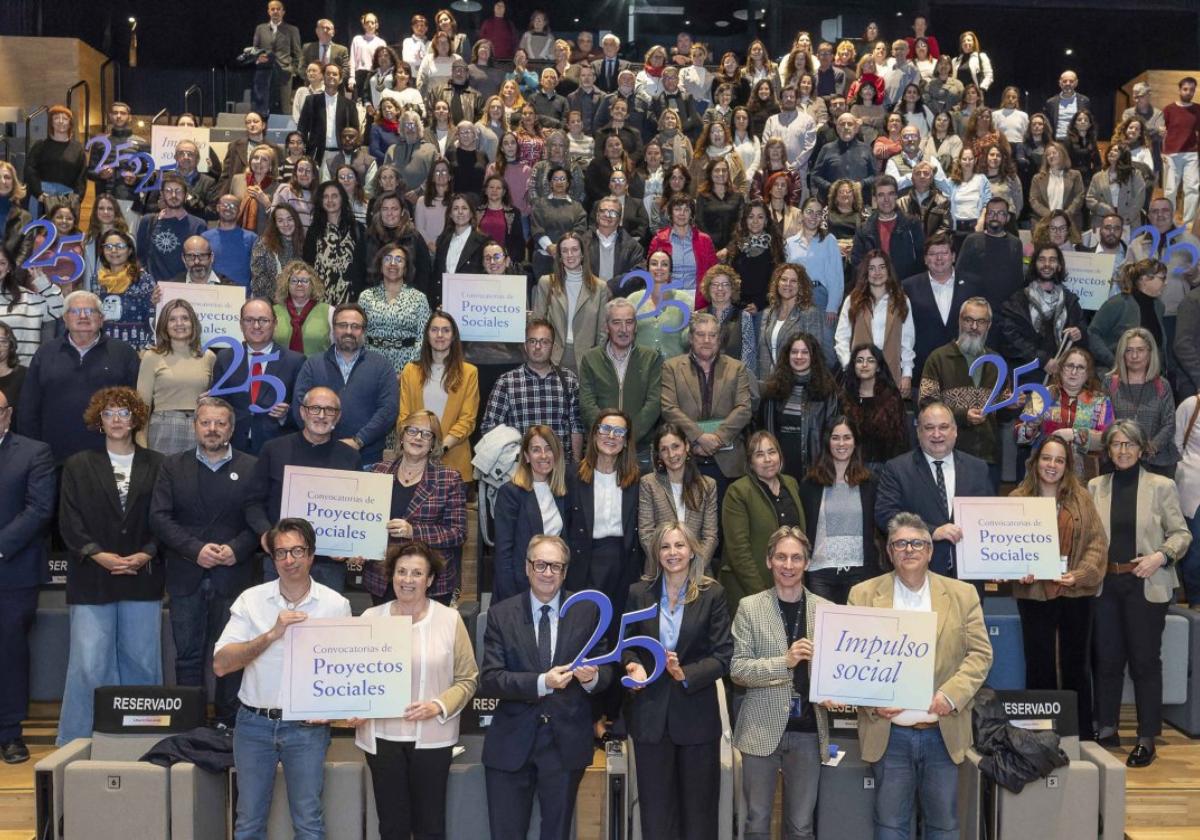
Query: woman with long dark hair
point(297, 191)
point(791, 310)
point(572, 299)
point(873, 403)
point(391, 224)
point(877, 288)
point(754, 251)
point(676, 491)
point(799, 397)
point(335, 245)
point(396, 312)
point(281, 242)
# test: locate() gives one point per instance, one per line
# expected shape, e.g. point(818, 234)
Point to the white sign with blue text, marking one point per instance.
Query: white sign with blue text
point(1007, 538)
point(487, 307)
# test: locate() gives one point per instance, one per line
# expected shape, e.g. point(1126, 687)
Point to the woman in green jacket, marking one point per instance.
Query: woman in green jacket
point(1138, 305)
point(754, 507)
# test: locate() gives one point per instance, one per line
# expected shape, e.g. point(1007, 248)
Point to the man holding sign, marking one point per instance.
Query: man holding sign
point(915, 752)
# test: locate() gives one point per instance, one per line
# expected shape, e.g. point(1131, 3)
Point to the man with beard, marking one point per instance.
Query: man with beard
point(198, 257)
point(198, 513)
point(1107, 238)
point(1042, 318)
point(201, 198)
point(945, 379)
point(161, 237)
point(993, 257)
point(116, 177)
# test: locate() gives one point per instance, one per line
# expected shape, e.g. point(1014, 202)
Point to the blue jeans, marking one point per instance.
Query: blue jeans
point(51, 190)
point(1189, 569)
point(111, 644)
point(259, 745)
point(916, 764)
point(196, 623)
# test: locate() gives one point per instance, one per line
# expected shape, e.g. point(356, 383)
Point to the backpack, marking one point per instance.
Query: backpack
point(495, 461)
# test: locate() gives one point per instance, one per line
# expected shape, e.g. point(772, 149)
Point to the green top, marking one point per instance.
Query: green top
point(665, 332)
point(314, 332)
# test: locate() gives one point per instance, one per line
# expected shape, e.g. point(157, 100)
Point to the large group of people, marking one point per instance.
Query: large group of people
point(778, 409)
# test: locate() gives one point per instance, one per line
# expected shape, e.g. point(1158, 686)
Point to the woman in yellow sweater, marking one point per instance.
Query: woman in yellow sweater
point(173, 375)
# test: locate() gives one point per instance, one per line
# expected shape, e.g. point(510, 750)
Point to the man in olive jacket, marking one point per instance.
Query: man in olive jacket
point(619, 374)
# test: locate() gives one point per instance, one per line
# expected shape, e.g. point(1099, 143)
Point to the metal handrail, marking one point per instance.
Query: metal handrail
point(162, 113)
point(116, 74)
point(29, 118)
point(213, 77)
point(199, 92)
point(87, 104)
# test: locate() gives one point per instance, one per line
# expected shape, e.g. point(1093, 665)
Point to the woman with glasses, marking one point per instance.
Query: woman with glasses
point(396, 312)
point(125, 290)
point(174, 374)
point(1140, 392)
point(429, 503)
point(494, 358)
point(301, 316)
point(441, 382)
point(553, 216)
point(1079, 413)
point(255, 188)
point(572, 299)
point(873, 403)
point(534, 502)
point(1147, 537)
point(1057, 228)
point(114, 581)
point(1138, 305)
point(677, 492)
point(347, 176)
point(675, 721)
point(1056, 614)
point(722, 286)
point(410, 755)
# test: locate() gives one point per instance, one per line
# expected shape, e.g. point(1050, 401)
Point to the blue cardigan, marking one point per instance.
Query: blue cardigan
point(370, 399)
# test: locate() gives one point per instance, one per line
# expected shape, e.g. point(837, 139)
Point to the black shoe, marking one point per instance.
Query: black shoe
point(1142, 756)
point(14, 751)
point(1111, 742)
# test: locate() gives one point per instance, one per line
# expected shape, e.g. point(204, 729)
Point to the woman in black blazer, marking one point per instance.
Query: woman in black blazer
point(533, 503)
point(838, 496)
point(114, 577)
point(460, 221)
point(675, 721)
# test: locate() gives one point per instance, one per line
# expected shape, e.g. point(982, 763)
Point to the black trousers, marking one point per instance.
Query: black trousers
point(410, 789)
point(18, 608)
point(678, 789)
point(1067, 621)
point(1128, 628)
point(835, 584)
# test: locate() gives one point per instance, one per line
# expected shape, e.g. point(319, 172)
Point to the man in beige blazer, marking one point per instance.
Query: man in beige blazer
point(708, 395)
point(914, 752)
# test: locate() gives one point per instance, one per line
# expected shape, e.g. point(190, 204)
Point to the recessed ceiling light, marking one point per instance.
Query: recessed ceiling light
point(721, 24)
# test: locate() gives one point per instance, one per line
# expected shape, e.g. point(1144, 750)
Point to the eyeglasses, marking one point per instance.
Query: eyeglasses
point(618, 432)
point(116, 414)
point(539, 342)
point(1122, 445)
point(352, 326)
point(394, 259)
point(542, 566)
point(1074, 368)
point(608, 212)
point(322, 410)
point(415, 574)
point(296, 552)
point(495, 257)
point(418, 432)
point(115, 246)
point(197, 257)
point(173, 191)
point(909, 545)
point(720, 284)
point(300, 281)
point(227, 205)
point(81, 311)
point(975, 322)
point(257, 322)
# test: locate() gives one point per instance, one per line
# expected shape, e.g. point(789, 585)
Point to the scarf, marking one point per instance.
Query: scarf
point(248, 213)
point(390, 126)
point(655, 72)
point(116, 282)
point(297, 341)
point(759, 241)
point(1048, 311)
point(718, 151)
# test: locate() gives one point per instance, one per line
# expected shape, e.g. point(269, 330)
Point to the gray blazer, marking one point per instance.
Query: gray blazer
point(656, 506)
point(809, 320)
point(1160, 527)
point(760, 664)
point(283, 44)
point(1130, 199)
point(587, 321)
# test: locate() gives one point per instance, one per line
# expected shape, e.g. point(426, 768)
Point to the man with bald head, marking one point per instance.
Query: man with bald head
point(198, 263)
point(847, 157)
point(312, 446)
point(160, 236)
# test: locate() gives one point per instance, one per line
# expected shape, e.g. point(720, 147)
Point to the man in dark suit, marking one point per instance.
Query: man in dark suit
point(278, 63)
point(927, 480)
point(325, 52)
point(609, 66)
point(540, 740)
point(934, 298)
point(26, 506)
point(314, 123)
point(198, 513)
point(907, 238)
point(253, 428)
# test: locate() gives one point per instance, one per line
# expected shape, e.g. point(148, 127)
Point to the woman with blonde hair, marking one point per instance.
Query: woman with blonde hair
point(301, 314)
point(255, 188)
point(174, 374)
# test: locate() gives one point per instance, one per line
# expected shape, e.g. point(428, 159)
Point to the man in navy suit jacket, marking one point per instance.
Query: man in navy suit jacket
point(252, 430)
point(540, 739)
point(925, 300)
point(26, 504)
point(908, 483)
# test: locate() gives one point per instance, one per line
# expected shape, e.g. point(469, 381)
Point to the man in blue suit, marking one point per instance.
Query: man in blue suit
point(26, 504)
point(253, 429)
point(927, 480)
point(540, 740)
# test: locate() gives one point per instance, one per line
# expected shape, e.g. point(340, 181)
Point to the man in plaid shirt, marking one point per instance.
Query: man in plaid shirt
point(538, 392)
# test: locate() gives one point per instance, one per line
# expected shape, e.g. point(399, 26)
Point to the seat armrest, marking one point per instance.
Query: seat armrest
point(199, 799)
point(48, 775)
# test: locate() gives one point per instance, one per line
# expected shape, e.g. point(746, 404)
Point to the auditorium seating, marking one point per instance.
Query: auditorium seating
point(1185, 714)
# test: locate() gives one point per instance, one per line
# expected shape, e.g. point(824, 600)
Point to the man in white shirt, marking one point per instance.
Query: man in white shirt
point(795, 128)
point(324, 115)
point(914, 753)
point(251, 643)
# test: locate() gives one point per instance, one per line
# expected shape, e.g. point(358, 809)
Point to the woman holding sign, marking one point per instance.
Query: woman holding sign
point(429, 503)
point(675, 720)
point(1147, 536)
point(410, 756)
point(1056, 615)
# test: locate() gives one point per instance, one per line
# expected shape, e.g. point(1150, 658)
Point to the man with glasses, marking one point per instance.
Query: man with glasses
point(935, 297)
point(229, 244)
point(313, 446)
point(27, 497)
point(198, 513)
point(252, 429)
point(993, 258)
point(612, 251)
point(915, 753)
point(1108, 237)
point(540, 740)
point(770, 742)
point(160, 237)
point(538, 393)
point(198, 264)
point(945, 379)
point(64, 374)
point(252, 643)
point(927, 480)
point(202, 191)
point(364, 381)
point(831, 81)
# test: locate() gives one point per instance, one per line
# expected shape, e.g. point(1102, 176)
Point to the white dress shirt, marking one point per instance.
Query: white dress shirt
point(947, 473)
point(879, 313)
point(904, 598)
point(331, 134)
point(943, 296)
point(454, 250)
point(606, 506)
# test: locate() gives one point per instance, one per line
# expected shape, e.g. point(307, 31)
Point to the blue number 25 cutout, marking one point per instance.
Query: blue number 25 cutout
point(219, 388)
point(1172, 246)
point(1018, 387)
point(143, 163)
point(604, 606)
point(47, 256)
point(685, 310)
